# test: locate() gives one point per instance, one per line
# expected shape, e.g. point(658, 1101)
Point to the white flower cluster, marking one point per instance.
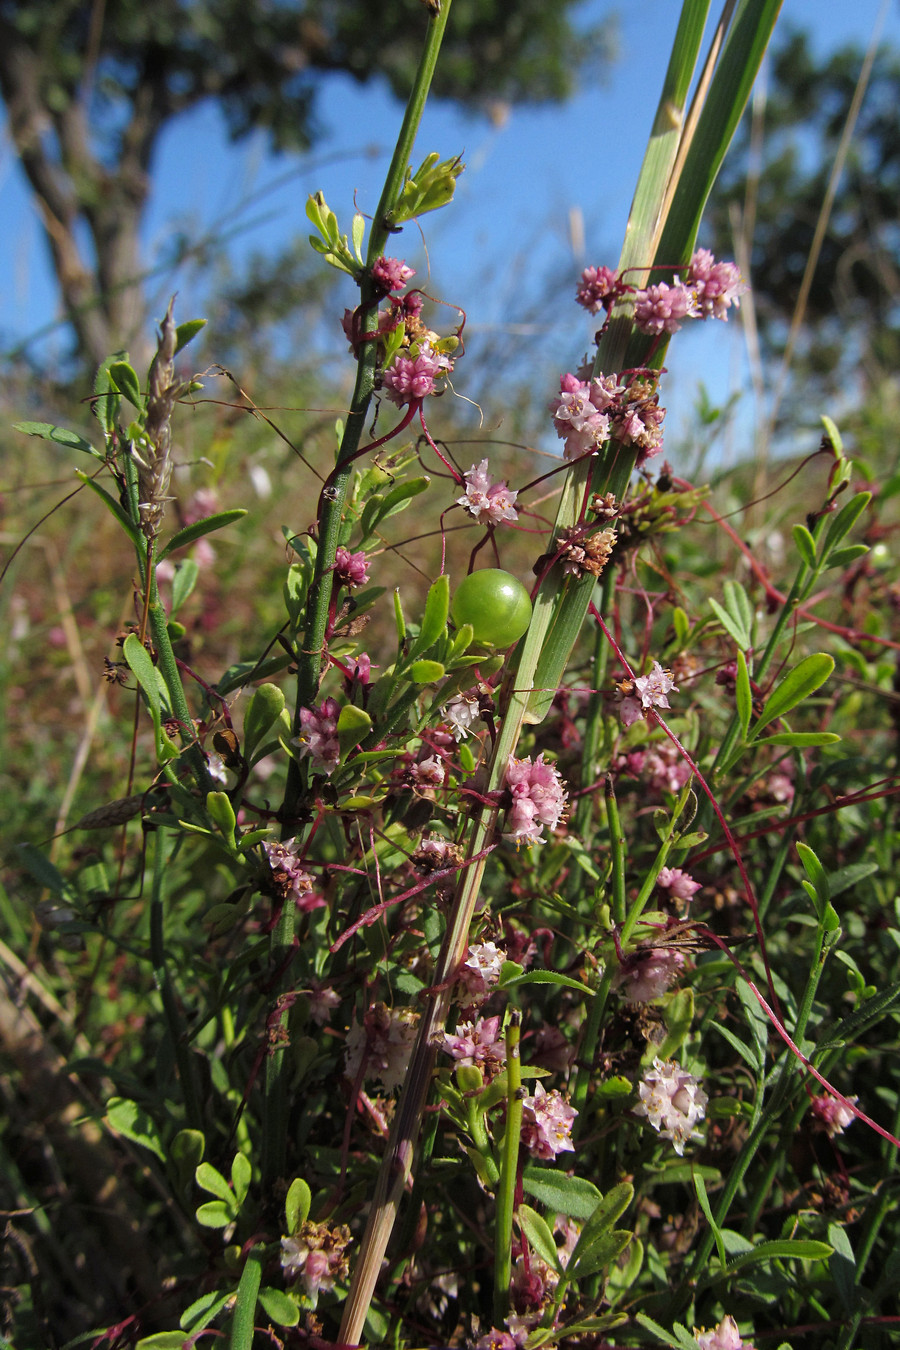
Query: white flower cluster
point(673, 1102)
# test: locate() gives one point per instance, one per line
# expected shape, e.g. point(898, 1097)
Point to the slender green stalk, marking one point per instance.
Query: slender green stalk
point(616, 853)
point(509, 1166)
point(310, 656)
point(244, 1315)
point(174, 1021)
point(309, 662)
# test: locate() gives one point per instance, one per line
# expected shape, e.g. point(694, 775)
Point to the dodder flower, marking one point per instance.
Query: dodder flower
point(725, 1336)
point(351, 569)
point(481, 970)
point(673, 1102)
point(649, 691)
point(547, 1120)
point(318, 736)
point(490, 503)
point(385, 1039)
point(538, 799)
point(648, 973)
point(391, 274)
point(598, 288)
point(462, 712)
point(480, 1044)
point(681, 885)
point(409, 379)
point(831, 1115)
point(316, 1252)
point(291, 881)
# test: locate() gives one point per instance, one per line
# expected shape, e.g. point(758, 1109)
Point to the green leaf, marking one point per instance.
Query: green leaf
point(199, 528)
point(46, 431)
point(185, 1153)
point(353, 725)
point(679, 1015)
point(788, 1249)
point(599, 1252)
point(125, 380)
point(743, 694)
point(801, 739)
point(684, 1341)
point(134, 1123)
point(539, 1235)
point(426, 672)
point(379, 506)
point(215, 1214)
point(203, 1311)
point(282, 1309)
point(183, 583)
point(700, 1188)
point(806, 545)
point(106, 401)
point(842, 1267)
point(42, 869)
point(614, 1203)
point(843, 523)
point(816, 873)
point(263, 711)
point(543, 977)
point(726, 621)
point(797, 685)
point(208, 1178)
point(843, 557)
point(241, 1172)
point(187, 331)
point(114, 507)
point(162, 1340)
point(297, 1203)
point(561, 1194)
point(434, 621)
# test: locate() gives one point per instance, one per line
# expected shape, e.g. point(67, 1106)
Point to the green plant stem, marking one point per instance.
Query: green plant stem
point(244, 1316)
point(509, 1164)
point(310, 656)
point(589, 1043)
point(309, 661)
point(174, 1022)
point(616, 853)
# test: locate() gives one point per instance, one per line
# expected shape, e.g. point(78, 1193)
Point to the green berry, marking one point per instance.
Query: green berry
point(495, 603)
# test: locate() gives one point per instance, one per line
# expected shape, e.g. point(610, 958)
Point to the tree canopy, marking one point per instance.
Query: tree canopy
point(88, 89)
point(851, 318)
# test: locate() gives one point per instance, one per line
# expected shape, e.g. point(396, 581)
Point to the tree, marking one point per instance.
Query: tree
point(89, 88)
point(851, 330)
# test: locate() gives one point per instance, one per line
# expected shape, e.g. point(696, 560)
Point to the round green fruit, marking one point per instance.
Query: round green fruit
point(495, 603)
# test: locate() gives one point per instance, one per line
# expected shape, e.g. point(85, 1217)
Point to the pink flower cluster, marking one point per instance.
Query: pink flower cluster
point(599, 288)
point(831, 1115)
point(290, 879)
point(480, 971)
point(649, 691)
point(409, 379)
point(648, 973)
point(318, 736)
point(726, 1336)
point(479, 1044)
point(316, 1252)
point(538, 798)
point(490, 503)
point(680, 885)
point(391, 274)
point(587, 413)
point(351, 569)
point(706, 290)
point(547, 1120)
point(673, 1102)
point(661, 765)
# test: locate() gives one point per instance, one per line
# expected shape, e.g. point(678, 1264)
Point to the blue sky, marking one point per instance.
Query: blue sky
point(493, 249)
